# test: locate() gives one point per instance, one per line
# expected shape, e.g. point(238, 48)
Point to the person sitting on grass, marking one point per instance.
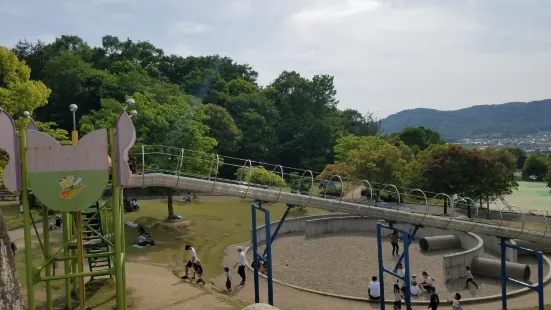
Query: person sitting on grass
point(145, 239)
point(374, 290)
point(191, 262)
point(199, 270)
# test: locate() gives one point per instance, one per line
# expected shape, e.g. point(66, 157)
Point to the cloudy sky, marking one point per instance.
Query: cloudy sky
point(386, 55)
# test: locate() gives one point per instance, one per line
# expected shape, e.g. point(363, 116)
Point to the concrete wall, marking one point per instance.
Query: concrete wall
point(289, 226)
point(327, 225)
point(454, 264)
point(491, 245)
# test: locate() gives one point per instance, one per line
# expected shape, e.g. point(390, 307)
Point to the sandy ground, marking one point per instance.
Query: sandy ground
point(156, 288)
point(287, 298)
point(344, 264)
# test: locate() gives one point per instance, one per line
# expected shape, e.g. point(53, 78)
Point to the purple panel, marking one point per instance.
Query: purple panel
point(126, 136)
point(46, 155)
point(9, 142)
point(32, 125)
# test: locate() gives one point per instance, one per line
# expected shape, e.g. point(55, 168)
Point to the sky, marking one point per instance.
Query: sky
point(385, 55)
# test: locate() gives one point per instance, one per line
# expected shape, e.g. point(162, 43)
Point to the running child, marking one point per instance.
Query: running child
point(470, 278)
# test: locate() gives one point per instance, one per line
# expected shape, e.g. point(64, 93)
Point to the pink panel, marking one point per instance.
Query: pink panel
point(126, 136)
point(9, 143)
point(46, 155)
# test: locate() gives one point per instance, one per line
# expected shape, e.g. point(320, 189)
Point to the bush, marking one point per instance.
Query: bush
point(259, 175)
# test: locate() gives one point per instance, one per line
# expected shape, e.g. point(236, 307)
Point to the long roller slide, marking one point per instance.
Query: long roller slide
point(251, 192)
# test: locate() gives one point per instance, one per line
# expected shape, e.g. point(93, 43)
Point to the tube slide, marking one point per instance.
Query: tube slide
point(492, 268)
point(211, 185)
point(546, 249)
point(436, 243)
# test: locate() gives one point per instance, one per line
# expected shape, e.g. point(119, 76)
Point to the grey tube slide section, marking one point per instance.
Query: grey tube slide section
point(546, 249)
point(436, 243)
point(492, 268)
point(249, 192)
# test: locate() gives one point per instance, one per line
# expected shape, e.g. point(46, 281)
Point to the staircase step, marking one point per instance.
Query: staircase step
point(100, 265)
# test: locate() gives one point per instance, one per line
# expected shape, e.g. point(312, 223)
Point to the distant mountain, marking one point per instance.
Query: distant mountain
point(514, 118)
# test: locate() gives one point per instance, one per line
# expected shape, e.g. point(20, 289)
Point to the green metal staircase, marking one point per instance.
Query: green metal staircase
point(93, 237)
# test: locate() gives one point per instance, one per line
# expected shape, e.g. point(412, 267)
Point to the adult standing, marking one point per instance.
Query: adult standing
point(241, 264)
point(394, 239)
point(192, 261)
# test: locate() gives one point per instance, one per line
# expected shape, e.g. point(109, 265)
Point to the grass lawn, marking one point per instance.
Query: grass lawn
point(531, 196)
point(209, 225)
point(12, 217)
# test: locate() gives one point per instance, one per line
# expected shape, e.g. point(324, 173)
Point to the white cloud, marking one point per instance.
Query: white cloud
point(190, 28)
point(386, 55)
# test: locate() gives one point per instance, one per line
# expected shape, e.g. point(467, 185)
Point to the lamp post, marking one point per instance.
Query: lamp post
point(78, 223)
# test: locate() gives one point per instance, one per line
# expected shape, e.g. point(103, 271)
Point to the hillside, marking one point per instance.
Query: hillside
point(514, 118)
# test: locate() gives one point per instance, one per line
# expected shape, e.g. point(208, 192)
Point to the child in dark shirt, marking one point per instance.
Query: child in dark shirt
point(434, 300)
point(228, 278)
point(199, 271)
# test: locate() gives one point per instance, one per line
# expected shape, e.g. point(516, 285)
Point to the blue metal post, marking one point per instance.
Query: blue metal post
point(503, 275)
point(406, 245)
point(255, 255)
point(274, 235)
point(504, 278)
point(540, 281)
point(406, 274)
point(269, 258)
point(381, 264)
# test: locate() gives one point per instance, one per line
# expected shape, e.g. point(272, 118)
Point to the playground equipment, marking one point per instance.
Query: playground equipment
point(436, 243)
point(382, 269)
point(258, 193)
point(71, 180)
point(77, 194)
point(505, 272)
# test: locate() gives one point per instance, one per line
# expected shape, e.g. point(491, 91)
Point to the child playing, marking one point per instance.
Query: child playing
point(228, 278)
point(455, 303)
point(191, 262)
point(199, 271)
point(470, 278)
point(434, 300)
point(397, 297)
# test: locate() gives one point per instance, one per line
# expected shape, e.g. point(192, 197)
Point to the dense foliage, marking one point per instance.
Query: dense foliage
point(211, 104)
point(517, 118)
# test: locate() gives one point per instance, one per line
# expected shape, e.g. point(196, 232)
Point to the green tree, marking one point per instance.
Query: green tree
point(17, 92)
point(344, 145)
point(502, 155)
point(520, 157)
point(453, 169)
point(378, 162)
point(418, 138)
point(222, 128)
point(51, 129)
point(535, 168)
